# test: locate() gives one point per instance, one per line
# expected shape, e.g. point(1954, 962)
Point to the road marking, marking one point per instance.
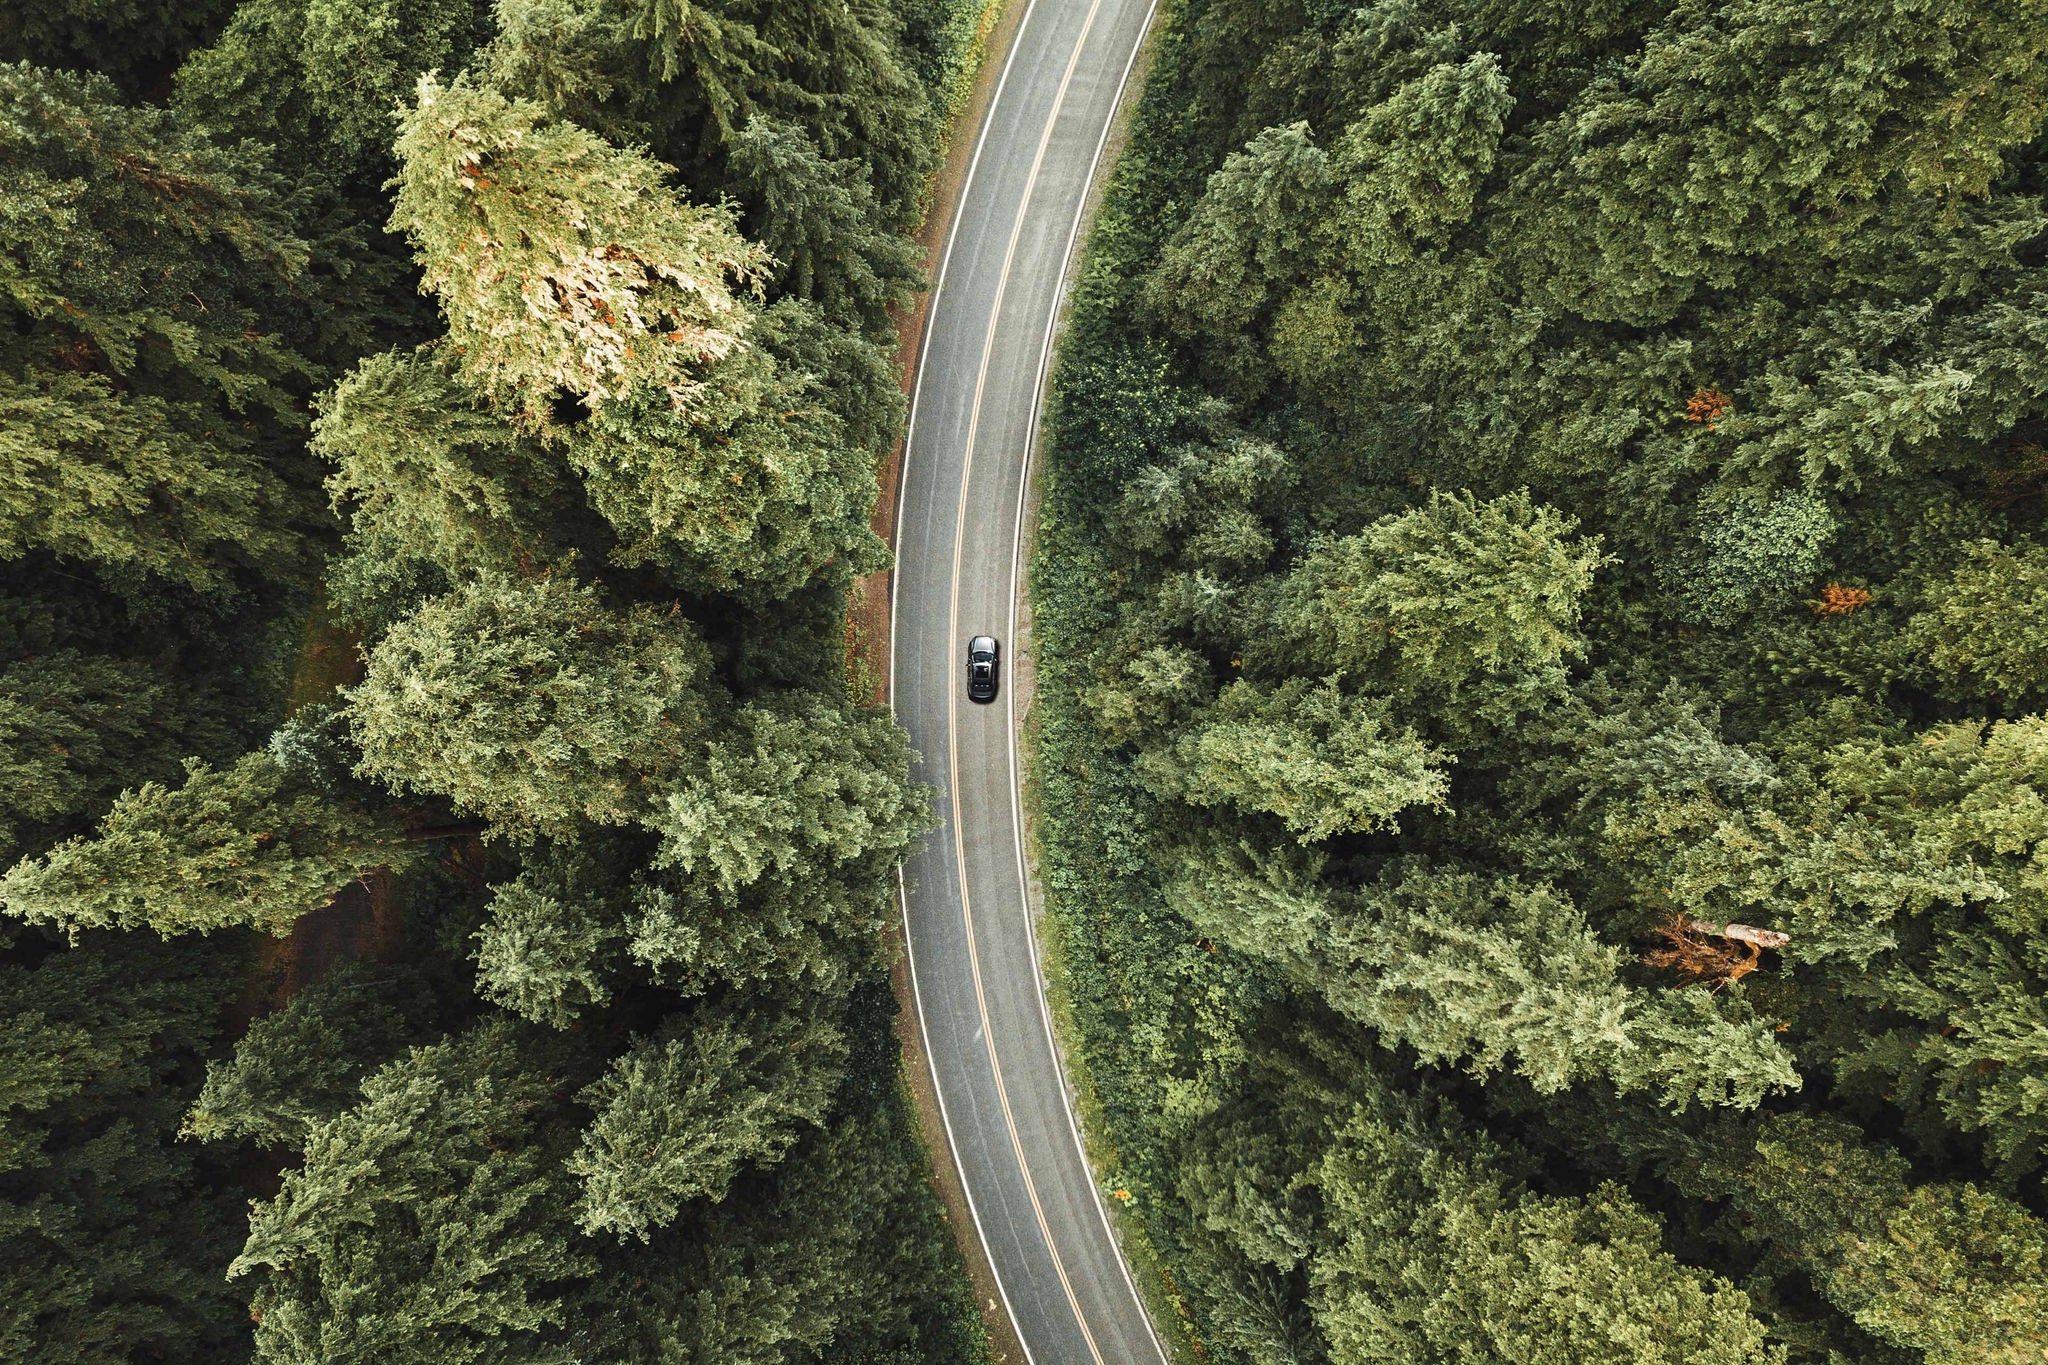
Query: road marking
point(1010, 698)
point(988, 344)
point(895, 581)
point(985, 1033)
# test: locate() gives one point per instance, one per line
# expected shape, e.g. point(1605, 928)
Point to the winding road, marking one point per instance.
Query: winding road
point(972, 951)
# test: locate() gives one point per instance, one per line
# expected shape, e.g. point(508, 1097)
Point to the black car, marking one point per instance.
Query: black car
point(983, 659)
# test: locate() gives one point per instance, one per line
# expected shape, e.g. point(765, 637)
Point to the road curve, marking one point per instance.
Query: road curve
point(972, 952)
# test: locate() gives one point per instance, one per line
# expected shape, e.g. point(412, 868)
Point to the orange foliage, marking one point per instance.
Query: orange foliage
point(1689, 947)
point(1836, 600)
point(1708, 406)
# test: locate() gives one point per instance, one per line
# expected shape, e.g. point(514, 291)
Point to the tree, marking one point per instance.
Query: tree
point(551, 935)
point(430, 1220)
point(300, 1067)
point(795, 786)
point(240, 845)
point(567, 269)
point(327, 75)
point(1458, 965)
point(144, 389)
point(533, 704)
point(679, 1115)
point(1981, 625)
point(756, 488)
point(1432, 1257)
point(1324, 762)
point(422, 468)
point(1432, 598)
point(819, 220)
point(1948, 1269)
point(71, 726)
point(112, 1232)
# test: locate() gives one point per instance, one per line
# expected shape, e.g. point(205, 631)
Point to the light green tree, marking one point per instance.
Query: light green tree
point(238, 845)
point(679, 1115)
point(422, 468)
point(1432, 598)
point(795, 786)
point(1324, 762)
point(566, 268)
point(533, 704)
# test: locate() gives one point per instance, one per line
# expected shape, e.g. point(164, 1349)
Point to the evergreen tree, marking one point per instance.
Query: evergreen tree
point(794, 786)
point(680, 1114)
point(1948, 1269)
point(428, 1222)
point(533, 704)
point(1434, 597)
point(70, 725)
point(613, 285)
point(300, 1067)
point(240, 845)
point(112, 1233)
point(424, 473)
point(144, 386)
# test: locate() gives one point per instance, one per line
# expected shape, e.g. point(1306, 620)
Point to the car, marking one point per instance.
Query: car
point(984, 659)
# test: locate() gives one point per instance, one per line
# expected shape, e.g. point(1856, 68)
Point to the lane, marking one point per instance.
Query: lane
point(973, 953)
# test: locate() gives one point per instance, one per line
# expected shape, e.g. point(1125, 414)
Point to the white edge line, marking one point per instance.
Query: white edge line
point(1016, 773)
point(895, 581)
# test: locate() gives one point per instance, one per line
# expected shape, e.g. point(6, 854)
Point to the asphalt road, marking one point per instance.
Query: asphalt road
point(973, 954)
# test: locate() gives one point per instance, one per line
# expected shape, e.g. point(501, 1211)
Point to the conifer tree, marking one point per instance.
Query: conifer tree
point(429, 1221)
point(1323, 762)
point(422, 470)
point(567, 269)
point(533, 704)
point(795, 786)
point(71, 725)
point(301, 1066)
point(679, 1115)
point(144, 384)
point(1431, 598)
point(232, 846)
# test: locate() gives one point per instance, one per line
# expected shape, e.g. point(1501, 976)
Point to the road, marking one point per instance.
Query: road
point(973, 954)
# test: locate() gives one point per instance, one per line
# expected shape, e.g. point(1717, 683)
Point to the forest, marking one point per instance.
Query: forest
point(446, 857)
point(1542, 732)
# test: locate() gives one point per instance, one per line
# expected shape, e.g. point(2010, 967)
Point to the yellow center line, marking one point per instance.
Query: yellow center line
point(953, 710)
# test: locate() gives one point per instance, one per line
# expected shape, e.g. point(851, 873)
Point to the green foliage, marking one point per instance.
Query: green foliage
point(1981, 626)
point(795, 785)
point(1949, 1269)
point(1753, 553)
point(533, 704)
point(679, 1116)
point(298, 1068)
point(426, 1221)
point(233, 846)
point(422, 472)
point(1437, 596)
point(143, 381)
point(1429, 1259)
point(112, 1232)
point(66, 721)
point(622, 288)
point(543, 951)
point(1323, 762)
point(757, 485)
